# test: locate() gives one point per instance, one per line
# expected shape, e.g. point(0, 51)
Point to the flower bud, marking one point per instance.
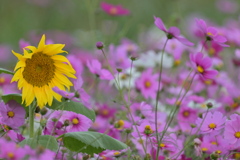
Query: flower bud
point(99, 45)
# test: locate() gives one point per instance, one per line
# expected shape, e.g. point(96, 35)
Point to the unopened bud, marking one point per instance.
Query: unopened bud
point(209, 105)
point(99, 45)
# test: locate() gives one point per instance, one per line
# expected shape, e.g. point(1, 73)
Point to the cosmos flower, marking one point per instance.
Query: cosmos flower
point(213, 122)
point(172, 32)
point(12, 113)
point(201, 66)
point(114, 10)
point(40, 69)
point(210, 33)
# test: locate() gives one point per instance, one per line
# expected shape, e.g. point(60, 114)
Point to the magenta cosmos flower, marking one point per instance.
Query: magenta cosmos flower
point(232, 131)
point(213, 122)
point(172, 32)
point(114, 10)
point(210, 33)
point(12, 114)
point(148, 84)
point(76, 122)
point(201, 66)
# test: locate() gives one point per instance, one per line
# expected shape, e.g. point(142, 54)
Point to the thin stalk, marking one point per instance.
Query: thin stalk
point(31, 110)
point(157, 97)
point(129, 87)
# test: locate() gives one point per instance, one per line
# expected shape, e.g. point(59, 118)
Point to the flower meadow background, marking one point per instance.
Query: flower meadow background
point(147, 79)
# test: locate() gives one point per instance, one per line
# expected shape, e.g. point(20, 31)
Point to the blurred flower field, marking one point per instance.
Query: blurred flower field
point(106, 80)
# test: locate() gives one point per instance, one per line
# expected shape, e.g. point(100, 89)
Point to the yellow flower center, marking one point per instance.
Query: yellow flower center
point(105, 112)
point(237, 134)
point(234, 105)
point(211, 51)
point(116, 153)
point(113, 11)
point(10, 114)
point(208, 82)
point(204, 149)
point(212, 125)
point(186, 113)
point(214, 143)
point(75, 121)
point(2, 80)
point(148, 84)
point(237, 155)
point(124, 76)
point(162, 145)
point(121, 123)
point(218, 151)
point(10, 155)
point(148, 127)
point(209, 34)
point(39, 70)
point(177, 62)
point(178, 103)
point(200, 69)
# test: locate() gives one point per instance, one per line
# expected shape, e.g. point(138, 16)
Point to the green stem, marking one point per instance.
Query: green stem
point(157, 97)
point(31, 108)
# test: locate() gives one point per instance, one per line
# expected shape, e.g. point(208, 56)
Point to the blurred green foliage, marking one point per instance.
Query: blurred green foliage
point(19, 17)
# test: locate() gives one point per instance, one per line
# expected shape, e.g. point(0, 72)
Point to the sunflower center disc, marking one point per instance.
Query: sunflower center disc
point(39, 70)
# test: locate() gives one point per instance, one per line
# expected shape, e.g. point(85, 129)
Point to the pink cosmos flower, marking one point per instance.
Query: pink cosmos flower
point(13, 114)
point(77, 122)
point(213, 123)
point(232, 131)
point(96, 68)
point(148, 84)
point(114, 10)
point(201, 66)
point(210, 33)
point(172, 32)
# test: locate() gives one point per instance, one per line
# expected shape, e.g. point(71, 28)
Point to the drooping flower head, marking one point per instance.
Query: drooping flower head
point(172, 32)
point(40, 69)
point(210, 33)
point(201, 66)
point(114, 10)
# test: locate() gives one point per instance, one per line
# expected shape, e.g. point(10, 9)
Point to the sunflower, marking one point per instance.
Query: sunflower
point(40, 69)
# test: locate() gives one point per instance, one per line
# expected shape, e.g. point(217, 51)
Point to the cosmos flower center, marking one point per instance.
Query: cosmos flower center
point(212, 125)
point(237, 134)
point(209, 34)
point(113, 11)
point(2, 80)
point(116, 153)
point(214, 143)
point(120, 123)
point(211, 51)
point(219, 152)
point(105, 112)
point(10, 114)
point(147, 84)
point(75, 121)
point(208, 82)
point(186, 113)
point(10, 155)
point(39, 70)
point(204, 149)
point(162, 145)
point(200, 69)
point(237, 155)
point(234, 105)
point(177, 62)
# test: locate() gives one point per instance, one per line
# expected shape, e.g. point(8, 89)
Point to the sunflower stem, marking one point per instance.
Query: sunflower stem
point(31, 108)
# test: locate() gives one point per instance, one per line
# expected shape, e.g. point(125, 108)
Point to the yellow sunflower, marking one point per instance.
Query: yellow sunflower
point(40, 69)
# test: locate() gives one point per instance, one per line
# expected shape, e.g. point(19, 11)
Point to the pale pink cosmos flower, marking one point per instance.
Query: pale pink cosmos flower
point(172, 32)
point(210, 33)
point(96, 68)
point(201, 66)
point(12, 113)
point(213, 123)
point(77, 122)
point(232, 131)
point(148, 84)
point(114, 10)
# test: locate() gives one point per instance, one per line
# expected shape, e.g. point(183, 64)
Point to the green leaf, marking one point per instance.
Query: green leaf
point(91, 142)
point(74, 107)
point(2, 70)
point(45, 141)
